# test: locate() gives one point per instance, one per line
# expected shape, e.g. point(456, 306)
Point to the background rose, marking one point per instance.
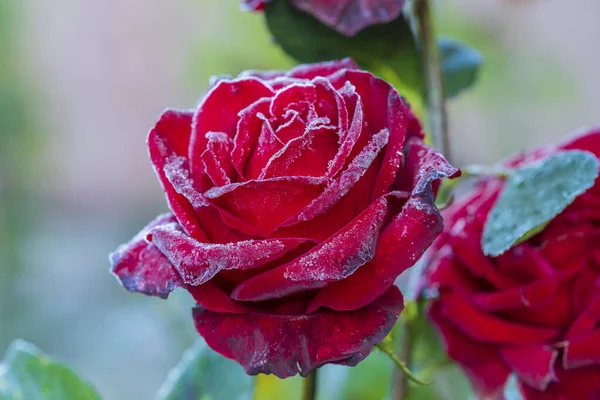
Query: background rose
point(534, 311)
point(346, 16)
point(297, 199)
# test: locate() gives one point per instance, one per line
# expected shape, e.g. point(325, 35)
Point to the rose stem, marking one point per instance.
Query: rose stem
point(309, 386)
point(400, 387)
point(438, 126)
point(434, 78)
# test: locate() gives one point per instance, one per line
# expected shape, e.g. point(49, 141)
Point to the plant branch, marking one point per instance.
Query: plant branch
point(401, 365)
point(309, 386)
point(434, 78)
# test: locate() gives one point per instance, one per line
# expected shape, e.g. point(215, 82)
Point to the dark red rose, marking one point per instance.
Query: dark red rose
point(346, 16)
point(296, 200)
point(534, 311)
point(253, 5)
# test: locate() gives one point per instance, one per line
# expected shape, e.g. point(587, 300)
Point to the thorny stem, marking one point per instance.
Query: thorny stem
point(434, 78)
point(309, 386)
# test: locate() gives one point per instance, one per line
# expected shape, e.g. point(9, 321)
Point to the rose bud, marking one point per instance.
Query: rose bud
point(296, 200)
point(345, 16)
point(532, 312)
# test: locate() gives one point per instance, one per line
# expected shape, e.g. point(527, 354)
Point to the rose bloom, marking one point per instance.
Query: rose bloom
point(534, 311)
point(345, 16)
point(296, 200)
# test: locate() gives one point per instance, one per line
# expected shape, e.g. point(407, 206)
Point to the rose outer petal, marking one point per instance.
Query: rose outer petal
point(304, 71)
point(351, 16)
point(533, 365)
point(479, 360)
point(285, 345)
point(168, 139)
point(199, 262)
point(140, 266)
point(402, 242)
point(331, 260)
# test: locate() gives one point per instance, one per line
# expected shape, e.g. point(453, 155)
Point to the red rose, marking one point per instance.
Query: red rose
point(297, 199)
point(534, 311)
point(346, 16)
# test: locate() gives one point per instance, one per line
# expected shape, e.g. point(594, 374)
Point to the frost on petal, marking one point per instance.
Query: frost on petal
point(199, 262)
point(393, 156)
point(217, 158)
point(285, 345)
point(217, 225)
point(161, 152)
point(304, 71)
point(332, 260)
point(267, 145)
point(266, 204)
point(402, 242)
point(218, 112)
point(140, 267)
point(249, 129)
point(351, 16)
point(307, 155)
point(345, 181)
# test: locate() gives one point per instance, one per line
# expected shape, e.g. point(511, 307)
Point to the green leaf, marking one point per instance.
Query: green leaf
point(387, 50)
point(460, 65)
point(534, 195)
point(28, 374)
point(203, 374)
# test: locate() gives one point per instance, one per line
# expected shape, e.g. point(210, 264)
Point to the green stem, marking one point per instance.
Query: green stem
point(309, 386)
point(400, 387)
point(434, 78)
point(401, 365)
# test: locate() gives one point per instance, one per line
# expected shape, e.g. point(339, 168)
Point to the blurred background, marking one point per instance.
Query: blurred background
point(81, 82)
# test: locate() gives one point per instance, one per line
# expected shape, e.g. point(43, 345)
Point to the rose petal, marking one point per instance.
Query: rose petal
point(351, 16)
point(213, 298)
point(218, 225)
point(332, 260)
point(392, 157)
point(212, 116)
point(582, 351)
point(587, 320)
point(217, 159)
point(531, 296)
point(285, 345)
point(347, 179)
point(249, 129)
point(488, 327)
point(268, 145)
point(197, 262)
point(480, 361)
point(579, 384)
point(308, 155)
point(351, 136)
point(305, 71)
point(140, 267)
point(164, 144)
point(587, 139)
point(401, 243)
point(533, 365)
point(339, 215)
point(266, 204)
